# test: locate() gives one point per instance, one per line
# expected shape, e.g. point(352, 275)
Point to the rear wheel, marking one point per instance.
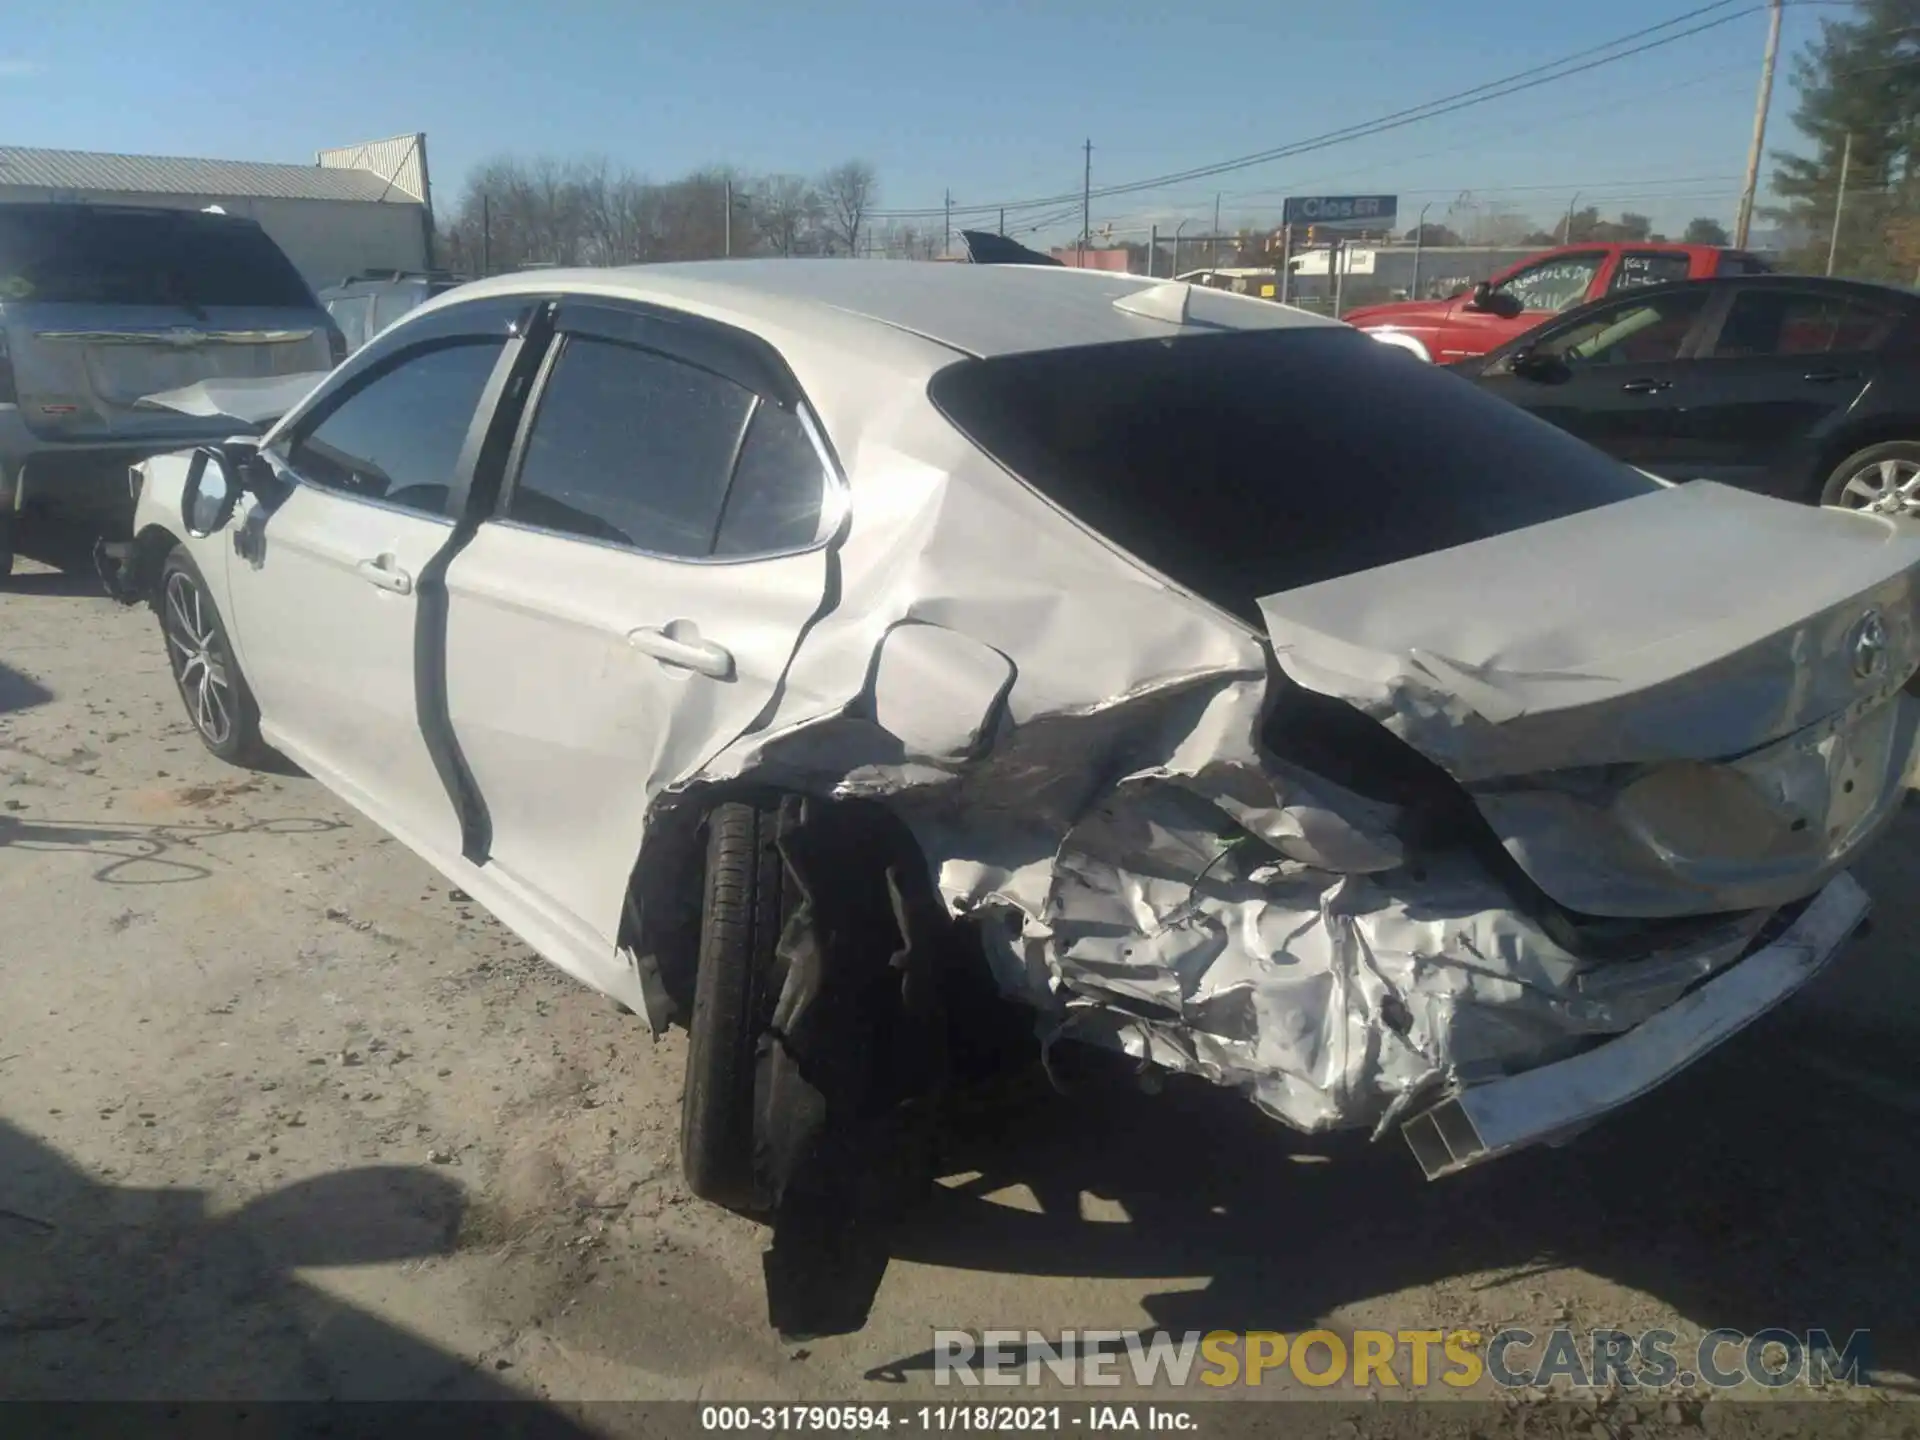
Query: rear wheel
point(211, 686)
point(743, 907)
point(1882, 479)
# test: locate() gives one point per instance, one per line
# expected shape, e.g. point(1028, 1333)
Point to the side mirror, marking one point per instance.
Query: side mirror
point(1541, 367)
point(215, 477)
point(1495, 302)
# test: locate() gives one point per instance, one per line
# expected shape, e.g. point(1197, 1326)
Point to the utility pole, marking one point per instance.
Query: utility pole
point(727, 225)
point(1566, 233)
point(946, 238)
point(1153, 248)
point(1216, 229)
point(1839, 201)
point(486, 234)
point(1086, 205)
point(1744, 223)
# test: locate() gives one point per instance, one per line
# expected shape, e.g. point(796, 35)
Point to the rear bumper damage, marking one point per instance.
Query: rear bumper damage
point(1557, 1100)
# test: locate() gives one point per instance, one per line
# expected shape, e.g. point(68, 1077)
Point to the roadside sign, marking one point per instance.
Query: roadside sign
point(1343, 211)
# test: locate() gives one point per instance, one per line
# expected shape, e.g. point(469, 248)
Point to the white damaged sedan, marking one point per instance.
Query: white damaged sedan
point(769, 643)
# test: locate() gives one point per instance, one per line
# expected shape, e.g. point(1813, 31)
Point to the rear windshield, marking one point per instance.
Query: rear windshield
point(110, 257)
point(1243, 465)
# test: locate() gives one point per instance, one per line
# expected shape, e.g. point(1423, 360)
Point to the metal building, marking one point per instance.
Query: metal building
point(356, 208)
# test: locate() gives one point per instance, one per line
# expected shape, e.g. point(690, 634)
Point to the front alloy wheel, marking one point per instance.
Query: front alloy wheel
point(214, 691)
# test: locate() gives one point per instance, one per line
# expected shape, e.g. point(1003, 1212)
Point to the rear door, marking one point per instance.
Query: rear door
point(1625, 386)
point(631, 606)
point(1783, 361)
point(103, 306)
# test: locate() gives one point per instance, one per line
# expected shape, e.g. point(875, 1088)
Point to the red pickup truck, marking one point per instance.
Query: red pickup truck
point(1519, 298)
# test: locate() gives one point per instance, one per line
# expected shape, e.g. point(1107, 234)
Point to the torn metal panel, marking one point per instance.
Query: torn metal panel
point(252, 400)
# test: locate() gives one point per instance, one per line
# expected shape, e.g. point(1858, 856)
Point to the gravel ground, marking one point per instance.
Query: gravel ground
point(281, 1116)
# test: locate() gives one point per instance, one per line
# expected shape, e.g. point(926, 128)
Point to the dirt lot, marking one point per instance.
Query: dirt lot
point(281, 1116)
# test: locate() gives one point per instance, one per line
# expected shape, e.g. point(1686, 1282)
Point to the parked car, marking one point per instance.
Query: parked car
point(771, 644)
point(1795, 386)
point(103, 304)
point(1536, 289)
point(364, 305)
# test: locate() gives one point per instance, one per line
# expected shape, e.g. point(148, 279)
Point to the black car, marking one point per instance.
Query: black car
point(1794, 386)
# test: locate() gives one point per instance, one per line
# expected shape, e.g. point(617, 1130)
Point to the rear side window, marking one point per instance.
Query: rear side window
point(1648, 267)
point(778, 486)
point(397, 438)
point(121, 257)
point(631, 448)
point(350, 314)
point(1766, 322)
point(1244, 465)
point(390, 304)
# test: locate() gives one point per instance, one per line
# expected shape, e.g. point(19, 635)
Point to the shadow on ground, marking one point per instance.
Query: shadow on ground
point(108, 1292)
point(20, 692)
point(1770, 1185)
point(137, 854)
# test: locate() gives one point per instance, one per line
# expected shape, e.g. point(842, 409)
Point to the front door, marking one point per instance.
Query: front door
point(631, 606)
point(1621, 382)
point(1544, 289)
point(324, 601)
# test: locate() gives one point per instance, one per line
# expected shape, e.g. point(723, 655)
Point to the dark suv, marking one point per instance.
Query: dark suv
point(364, 305)
point(104, 305)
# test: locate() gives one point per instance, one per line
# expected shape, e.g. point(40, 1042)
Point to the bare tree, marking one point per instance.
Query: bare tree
point(849, 191)
point(786, 213)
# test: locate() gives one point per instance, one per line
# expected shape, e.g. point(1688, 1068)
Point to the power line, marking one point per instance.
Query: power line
point(1531, 78)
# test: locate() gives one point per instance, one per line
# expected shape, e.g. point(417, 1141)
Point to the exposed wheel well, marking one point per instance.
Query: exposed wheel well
point(150, 550)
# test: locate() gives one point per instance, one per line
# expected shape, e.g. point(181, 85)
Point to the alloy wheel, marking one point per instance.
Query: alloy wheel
point(1885, 487)
point(200, 663)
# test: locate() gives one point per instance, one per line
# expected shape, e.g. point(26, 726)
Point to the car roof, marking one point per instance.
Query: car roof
point(979, 310)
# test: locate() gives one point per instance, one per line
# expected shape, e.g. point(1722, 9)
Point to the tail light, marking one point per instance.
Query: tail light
point(8, 395)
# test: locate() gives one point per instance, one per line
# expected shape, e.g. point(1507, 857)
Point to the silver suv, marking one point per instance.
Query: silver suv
point(103, 305)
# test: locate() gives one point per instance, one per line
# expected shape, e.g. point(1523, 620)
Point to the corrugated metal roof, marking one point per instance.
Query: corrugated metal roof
point(171, 175)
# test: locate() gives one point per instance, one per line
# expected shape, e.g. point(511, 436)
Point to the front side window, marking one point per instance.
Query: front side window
point(1648, 267)
point(1249, 464)
point(1644, 332)
point(631, 448)
point(1554, 285)
point(1768, 322)
point(397, 438)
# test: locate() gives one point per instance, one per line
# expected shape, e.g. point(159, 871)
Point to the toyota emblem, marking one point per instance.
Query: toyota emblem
point(1869, 645)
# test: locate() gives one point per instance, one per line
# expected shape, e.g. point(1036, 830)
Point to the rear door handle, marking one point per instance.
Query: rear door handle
point(386, 575)
point(1646, 387)
point(703, 657)
point(1827, 377)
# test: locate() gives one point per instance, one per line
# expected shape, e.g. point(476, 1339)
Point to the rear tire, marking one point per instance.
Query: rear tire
point(1883, 478)
point(742, 910)
point(220, 705)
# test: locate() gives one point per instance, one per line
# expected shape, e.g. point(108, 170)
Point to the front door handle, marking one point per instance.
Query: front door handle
point(386, 575)
point(684, 652)
point(1646, 387)
point(1827, 377)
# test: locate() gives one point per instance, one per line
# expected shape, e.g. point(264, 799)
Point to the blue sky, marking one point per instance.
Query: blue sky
point(991, 100)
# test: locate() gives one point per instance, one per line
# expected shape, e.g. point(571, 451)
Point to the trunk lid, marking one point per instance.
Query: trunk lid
point(1684, 702)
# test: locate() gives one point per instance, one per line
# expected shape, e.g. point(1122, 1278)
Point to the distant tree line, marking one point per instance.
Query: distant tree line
point(549, 211)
